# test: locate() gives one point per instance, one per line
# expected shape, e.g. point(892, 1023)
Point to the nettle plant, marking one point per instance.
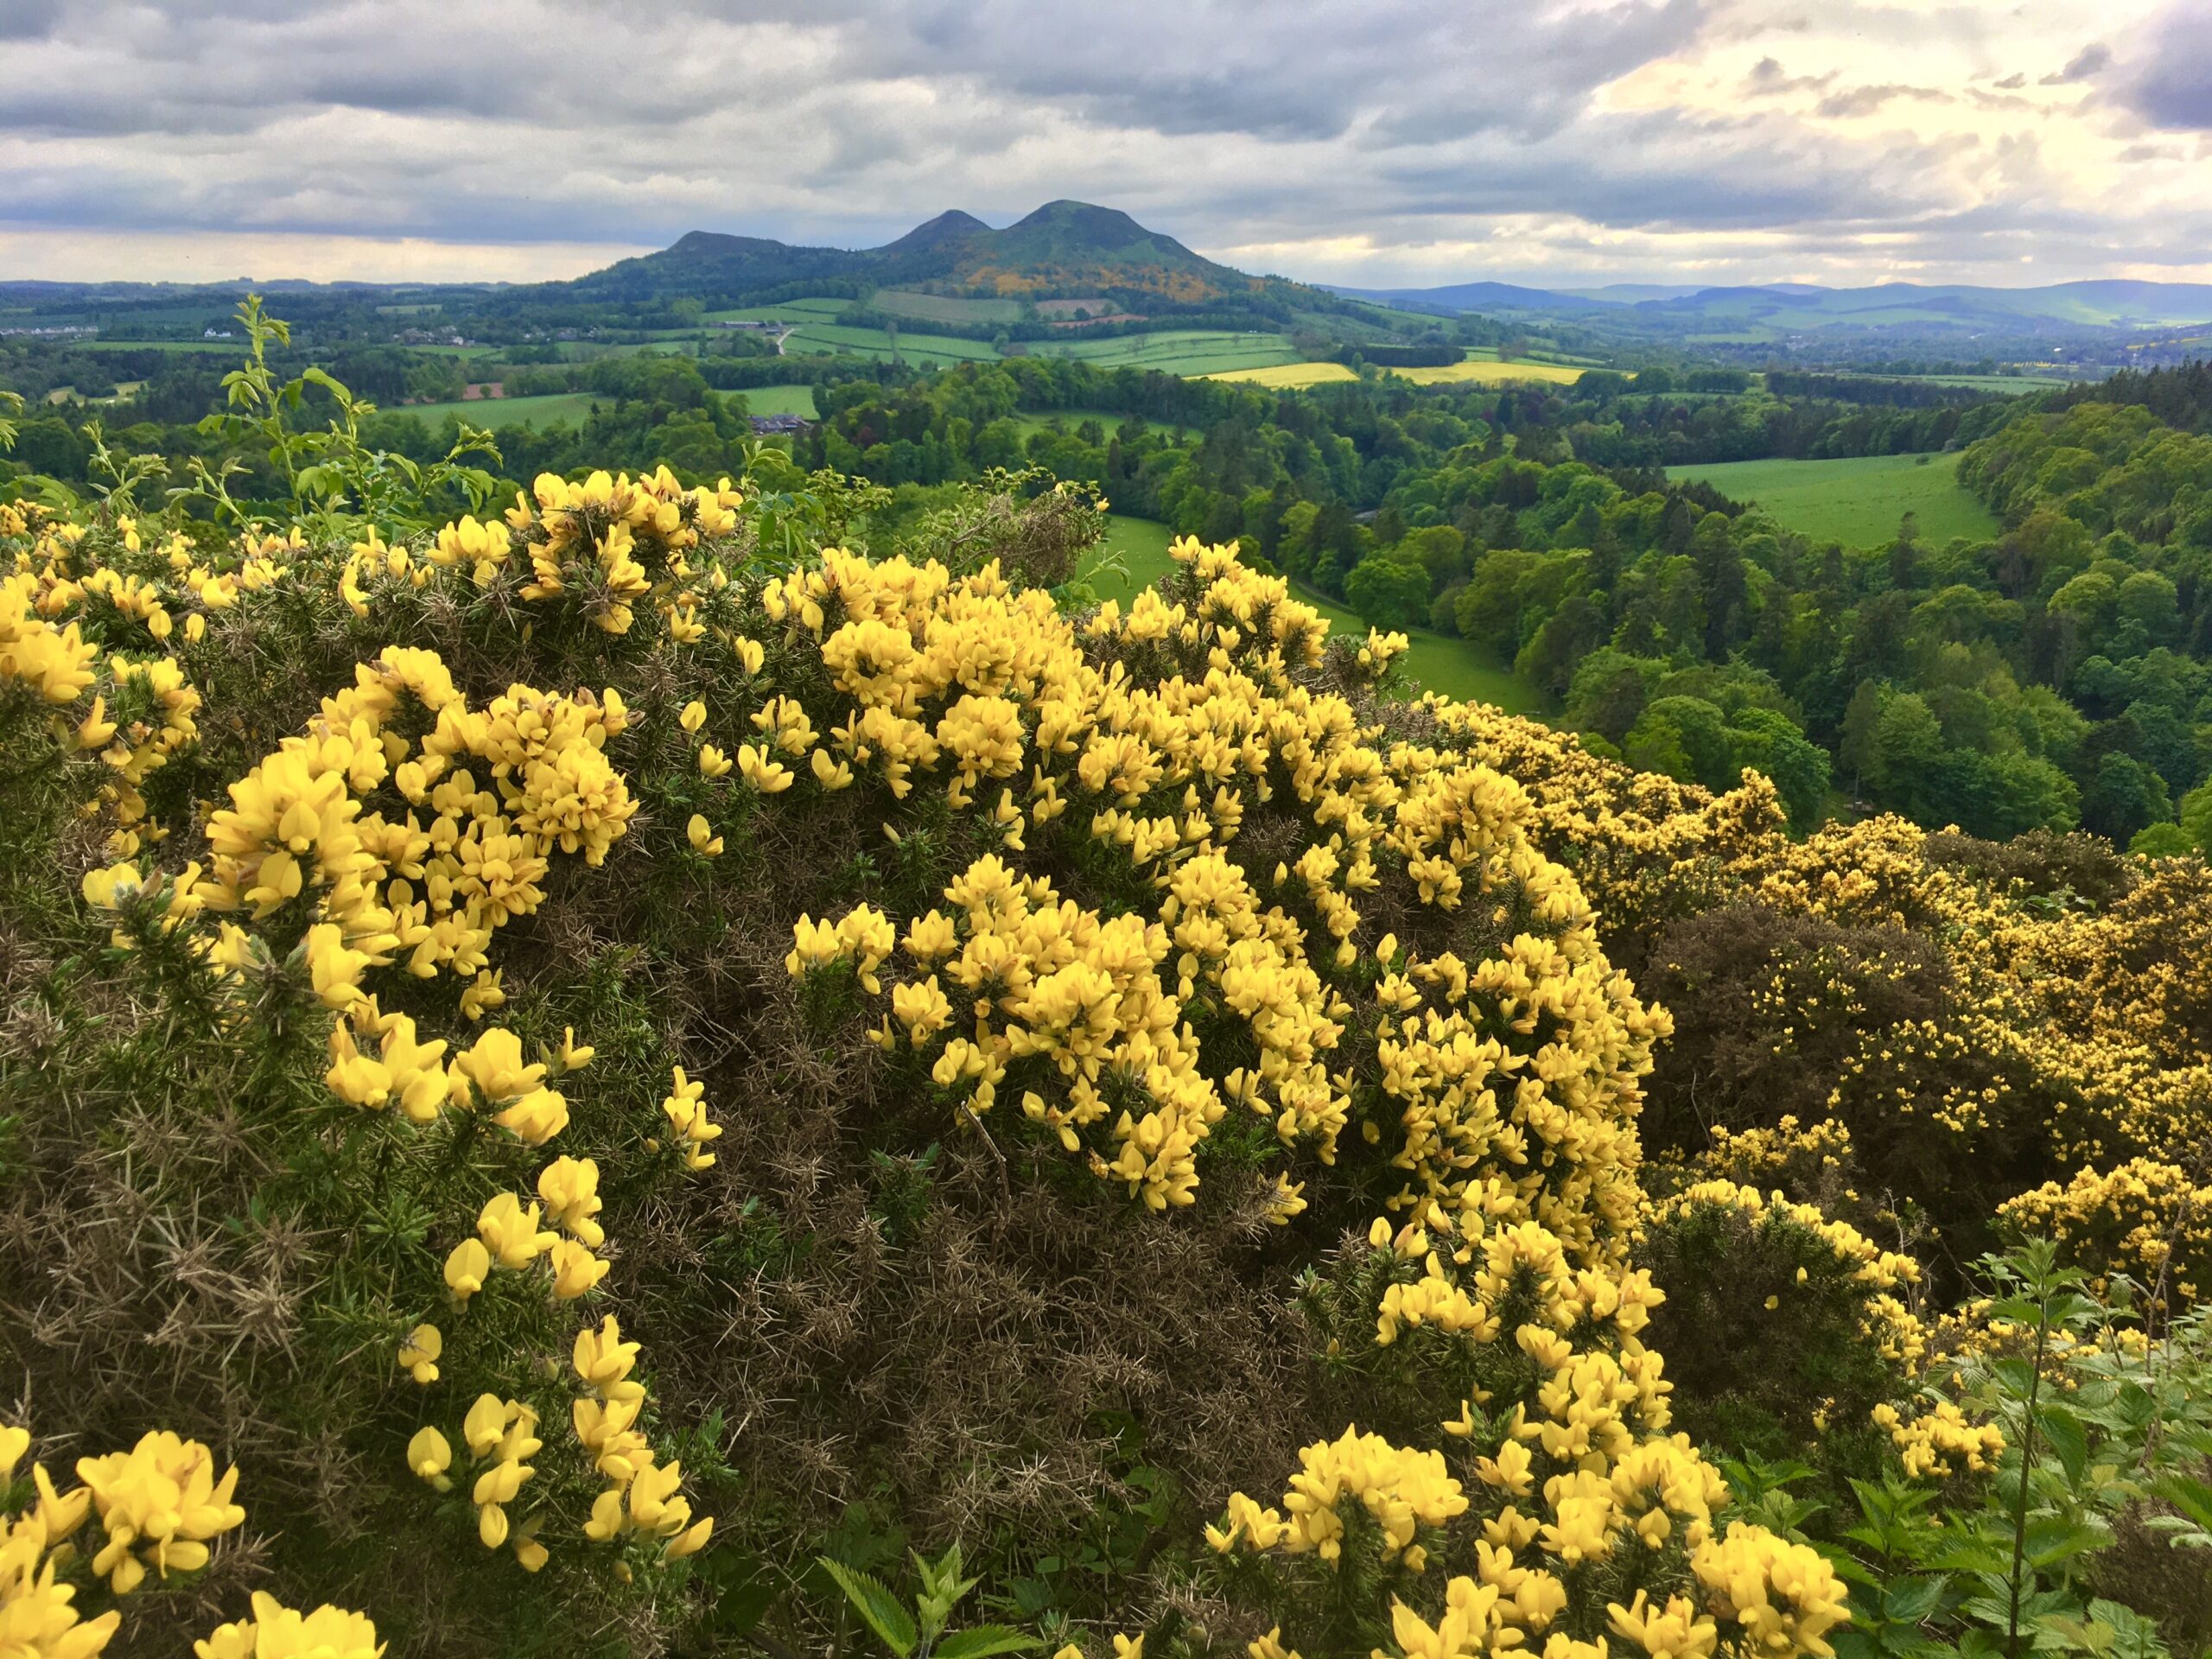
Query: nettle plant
point(2062, 1429)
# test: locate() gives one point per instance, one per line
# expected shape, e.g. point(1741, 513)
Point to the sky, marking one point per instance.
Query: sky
point(1379, 143)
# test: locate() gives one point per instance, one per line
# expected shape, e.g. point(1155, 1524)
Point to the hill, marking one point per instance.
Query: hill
point(1957, 317)
point(1062, 247)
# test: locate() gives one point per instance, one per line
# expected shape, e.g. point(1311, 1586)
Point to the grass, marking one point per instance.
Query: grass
point(928, 350)
point(779, 400)
point(808, 310)
point(1857, 500)
point(1436, 661)
point(1487, 371)
point(1289, 375)
point(1176, 351)
point(1142, 545)
point(496, 412)
point(944, 307)
point(1439, 662)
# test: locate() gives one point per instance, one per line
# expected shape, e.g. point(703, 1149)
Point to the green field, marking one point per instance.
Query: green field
point(811, 310)
point(943, 308)
point(1438, 663)
point(779, 400)
point(1857, 500)
point(2011, 386)
point(1179, 351)
point(221, 347)
point(1030, 420)
point(496, 412)
point(924, 350)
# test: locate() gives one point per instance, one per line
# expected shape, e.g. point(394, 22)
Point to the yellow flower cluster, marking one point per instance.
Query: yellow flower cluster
point(1786, 1597)
point(2145, 1218)
point(645, 1498)
point(2086, 1012)
point(1506, 1077)
point(393, 836)
point(1573, 1473)
point(685, 1107)
point(277, 1632)
point(38, 1618)
point(143, 714)
point(1400, 1491)
point(384, 881)
point(1941, 1441)
point(159, 1503)
point(600, 547)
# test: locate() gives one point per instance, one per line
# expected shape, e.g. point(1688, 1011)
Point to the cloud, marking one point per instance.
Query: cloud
point(2169, 84)
point(1769, 78)
point(1864, 100)
point(2085, 65)
point(1727, 135)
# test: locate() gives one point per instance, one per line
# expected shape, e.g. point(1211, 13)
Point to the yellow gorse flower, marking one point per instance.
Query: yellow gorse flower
point(277, 1632)
point(159, 1503)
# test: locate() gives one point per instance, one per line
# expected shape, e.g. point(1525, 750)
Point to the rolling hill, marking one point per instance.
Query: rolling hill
point(1062, 247)
point(1778, 312)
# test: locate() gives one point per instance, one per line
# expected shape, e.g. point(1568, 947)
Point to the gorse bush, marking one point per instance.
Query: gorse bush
point(592, 1076)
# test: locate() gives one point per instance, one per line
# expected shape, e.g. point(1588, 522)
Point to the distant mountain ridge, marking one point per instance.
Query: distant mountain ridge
point(1063, 247)
point(1777, 308)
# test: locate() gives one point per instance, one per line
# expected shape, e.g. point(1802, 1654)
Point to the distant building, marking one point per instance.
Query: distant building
point(780, 423)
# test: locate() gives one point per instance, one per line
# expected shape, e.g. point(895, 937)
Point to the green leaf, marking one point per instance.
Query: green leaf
point(2067, 1438)
point(2193, 1497)
point(876, 1604)
point(1910, 1601)
point(985, 1640)
point(2017, 1375)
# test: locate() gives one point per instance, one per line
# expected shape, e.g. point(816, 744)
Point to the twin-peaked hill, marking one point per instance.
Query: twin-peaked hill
point(1065, 247)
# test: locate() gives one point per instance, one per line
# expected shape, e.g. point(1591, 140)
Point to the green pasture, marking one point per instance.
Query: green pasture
point(927, 351)
point(779, 400)
point(944, 307)
point(807, 310)
point(496, 412)
point(1857, 500)
point(1177, 350)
